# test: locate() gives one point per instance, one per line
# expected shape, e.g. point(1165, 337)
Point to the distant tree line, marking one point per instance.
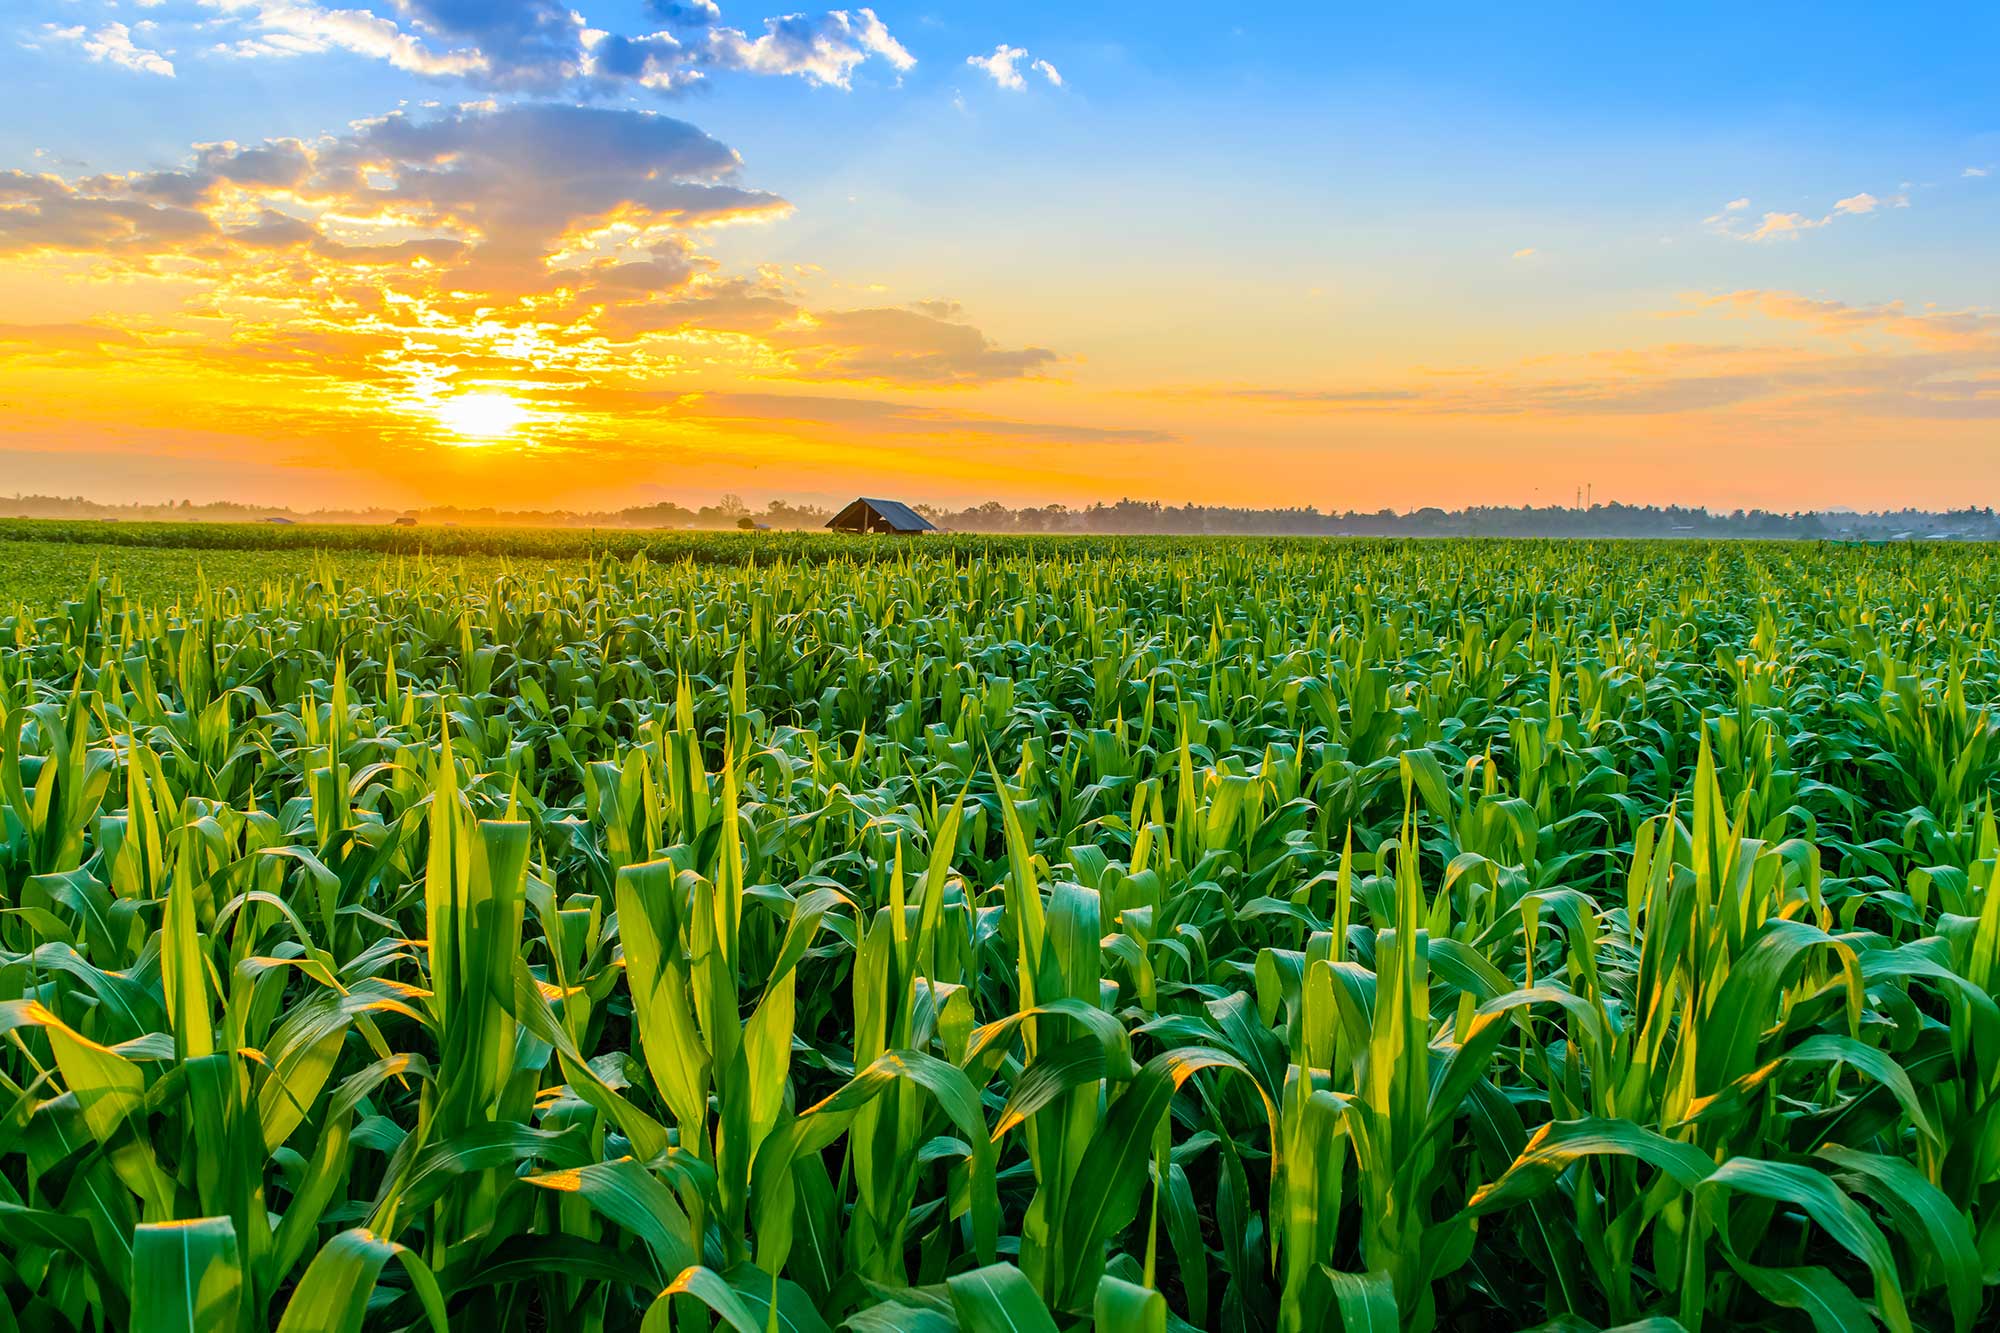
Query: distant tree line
point(1124, 516)
point(1597, 520)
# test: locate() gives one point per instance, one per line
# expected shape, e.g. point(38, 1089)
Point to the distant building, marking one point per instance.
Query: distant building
point(407, 521)
point(275, 518)
point(869, 515)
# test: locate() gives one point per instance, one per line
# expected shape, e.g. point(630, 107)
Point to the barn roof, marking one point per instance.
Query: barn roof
point(897, 515)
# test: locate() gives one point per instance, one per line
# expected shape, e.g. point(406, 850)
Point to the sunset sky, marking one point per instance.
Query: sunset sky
point(510, 252)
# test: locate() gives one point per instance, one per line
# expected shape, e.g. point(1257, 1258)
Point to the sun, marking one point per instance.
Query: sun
point(481, 416)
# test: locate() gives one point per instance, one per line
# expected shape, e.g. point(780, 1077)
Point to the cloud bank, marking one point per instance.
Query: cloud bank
point(544, 47)
point(350, 285)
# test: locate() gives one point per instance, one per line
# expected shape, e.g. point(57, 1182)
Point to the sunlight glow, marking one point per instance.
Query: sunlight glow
point(481, 416)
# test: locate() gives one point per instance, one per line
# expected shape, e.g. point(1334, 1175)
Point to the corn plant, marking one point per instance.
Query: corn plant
point(1127, 935)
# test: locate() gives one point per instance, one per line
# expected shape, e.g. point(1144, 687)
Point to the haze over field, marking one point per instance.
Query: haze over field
point(423, 252)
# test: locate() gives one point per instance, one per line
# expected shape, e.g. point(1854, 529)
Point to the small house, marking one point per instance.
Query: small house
point(869, 515)
point(406, 521)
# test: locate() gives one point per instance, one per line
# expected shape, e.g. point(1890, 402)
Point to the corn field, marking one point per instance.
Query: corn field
point(1228, 936)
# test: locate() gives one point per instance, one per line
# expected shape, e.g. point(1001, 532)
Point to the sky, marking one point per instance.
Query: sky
point(514, 253)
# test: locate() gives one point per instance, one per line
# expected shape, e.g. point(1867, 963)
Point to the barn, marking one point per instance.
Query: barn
point(870, 515)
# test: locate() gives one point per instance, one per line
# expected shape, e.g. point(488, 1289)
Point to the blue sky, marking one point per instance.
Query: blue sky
point(1237, 229)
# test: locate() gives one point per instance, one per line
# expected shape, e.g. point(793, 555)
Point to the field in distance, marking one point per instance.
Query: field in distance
point(526, 930)
point(46, 560)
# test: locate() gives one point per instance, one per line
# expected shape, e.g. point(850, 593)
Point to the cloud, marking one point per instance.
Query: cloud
point(890, 418)
point(1000, 66)
point(658, 61)
point(57, 339)
point(1004, 68)
point(824, 49)
point(1526, 252)
point(1868, 203)
point(41, 214)
point(929, 344)
point(1971, 331)
point(906, 346)
point(523, 44)
point(1786, 226)
point(526, 183)
point(287, 28)
point(543, 46)
point(1973, 173)
point(509, 206)
point(1783, 226)
point(112, 44)
point(1333, 398)
point(685, 13)
point(515, 185)
point(1831, 360)
point(338, 288)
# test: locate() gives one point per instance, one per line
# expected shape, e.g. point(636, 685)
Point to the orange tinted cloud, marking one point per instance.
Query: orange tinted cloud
point(1879, 361)
point(351, 288)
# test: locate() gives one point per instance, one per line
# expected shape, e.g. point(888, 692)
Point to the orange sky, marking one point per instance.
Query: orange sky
point(539, 303)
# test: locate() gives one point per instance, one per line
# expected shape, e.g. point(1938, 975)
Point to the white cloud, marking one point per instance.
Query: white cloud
point(1001, 66)
point(1736, 205)
point(1857, 203)
point(824, 49)
point(875, 39)
point(1973, 173)
point(112, 45)
point(1004, 68)
point(297, 27)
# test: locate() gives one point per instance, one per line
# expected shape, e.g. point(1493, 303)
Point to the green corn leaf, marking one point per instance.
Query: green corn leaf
point(1822, 1200)
point(998, 1299)
point(706, 1286)
point(627, 1194)
point(1365, 1302)
point(1126, 1307)
point(187, 1277)
point(1556, 1147)
point(333, 1296)
point(1936, 1230)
